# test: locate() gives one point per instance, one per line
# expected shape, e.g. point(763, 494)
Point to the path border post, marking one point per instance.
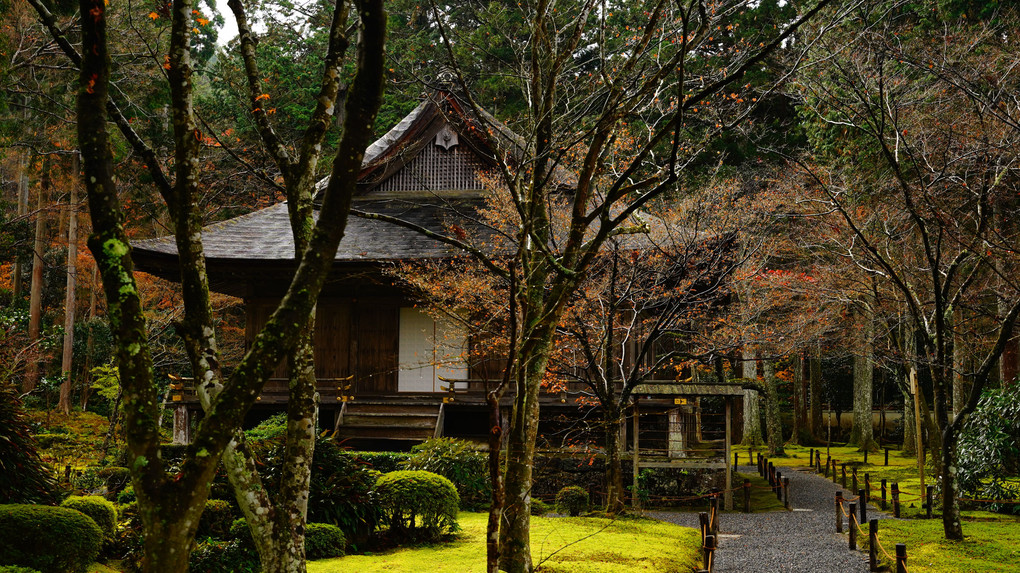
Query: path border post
point(852, 526)
point(864, 506)
point(839, 512)
point(901, 558)
point(896, 499)
point(709, 553)
point(747, 496)
point(873, 545)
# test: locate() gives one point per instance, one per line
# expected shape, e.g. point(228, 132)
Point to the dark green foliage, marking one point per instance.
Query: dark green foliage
point(458, 461)
point(990, 451)
point(116, 478)
point(384, 462)
point(418, 505)
point(271, 428)
point(572, 500)
point(341, 488)
point(240, 532)
point(101, 511)
point(323, 541)
point(539, 507)
point(50, 539)
point(24, 478)
point(126, 495)
point(216, 519)
point(224, 557)
point(17, 569)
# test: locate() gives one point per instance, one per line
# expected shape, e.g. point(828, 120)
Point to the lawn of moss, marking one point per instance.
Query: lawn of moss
point(558, 544)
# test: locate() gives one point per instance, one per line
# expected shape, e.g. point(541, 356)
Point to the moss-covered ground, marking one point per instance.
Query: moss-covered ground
point(559, 544)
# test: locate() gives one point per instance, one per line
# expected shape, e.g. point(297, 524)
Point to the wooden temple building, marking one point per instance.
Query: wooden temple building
point(389, 375)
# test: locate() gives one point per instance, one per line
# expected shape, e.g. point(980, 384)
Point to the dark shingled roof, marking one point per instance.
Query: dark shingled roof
point(265, 235)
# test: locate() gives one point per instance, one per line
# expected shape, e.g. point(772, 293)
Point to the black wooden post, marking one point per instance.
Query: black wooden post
point(786, 493)
point(778, 488)
point(901, 558)
point(736, 459)
point(844, 475)
point(929, 491)
point(853, 526)
point(873, 545)
point(709, 552)
point(864, 506)
point(896, 499)
point(865, 456)
point(747, 496)
point(818, 465)
point(713, 523)
point(887, 456)
point(703, 523)
point(839, 512)
point(761, 470)
point(884, 505)
point(811, 457)
point(853, 473)
point(867, 487)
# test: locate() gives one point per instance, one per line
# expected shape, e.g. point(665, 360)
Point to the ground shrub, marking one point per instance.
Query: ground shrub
point(240, 532)
point(24, 478)
point(216, 519)
point(460, 462)
point(323, 541)
point(50, 539)
point(116, 479)
point(418, 505)
point(539, 507)
point(127, 495)
point(272, 428)
point(989, 451)
point(384, 462)
point(224, 557)
point(572, 500)
point(341, 490)
point(88, 481)
point(16, 569)
point(102, 511)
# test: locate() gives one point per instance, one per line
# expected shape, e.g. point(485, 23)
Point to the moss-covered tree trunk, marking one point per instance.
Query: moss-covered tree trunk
point(773, 425)
point(752, 414)
point(613, 417)
point(862, 434)
point(815, 415)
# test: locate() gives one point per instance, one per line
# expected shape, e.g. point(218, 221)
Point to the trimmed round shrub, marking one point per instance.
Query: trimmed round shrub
point(461, 462)
point(572, 500)
point(216, 519)
point(103, 512)
point(49, 539)
point(116, 478)
point(418, 504)
point(323, 541)
point(240, 532)
point(539, 507)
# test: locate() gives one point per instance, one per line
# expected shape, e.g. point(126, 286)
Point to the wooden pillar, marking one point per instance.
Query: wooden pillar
point(182, 425)
point(635, 491)
point(728, 496)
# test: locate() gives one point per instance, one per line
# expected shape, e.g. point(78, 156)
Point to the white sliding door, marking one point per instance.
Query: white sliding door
point(429, 350)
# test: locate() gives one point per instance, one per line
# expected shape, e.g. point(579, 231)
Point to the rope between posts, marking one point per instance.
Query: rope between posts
point(879, 542)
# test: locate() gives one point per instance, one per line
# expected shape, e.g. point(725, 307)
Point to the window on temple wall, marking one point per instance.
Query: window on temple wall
point(430, 350)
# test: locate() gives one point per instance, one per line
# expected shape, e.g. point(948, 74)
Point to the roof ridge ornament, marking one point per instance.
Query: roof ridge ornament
point(446, 79)
point(446, 137)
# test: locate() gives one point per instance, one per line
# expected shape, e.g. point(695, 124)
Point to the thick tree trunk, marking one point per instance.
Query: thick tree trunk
point(773, 424)
point(959, 363)
point(752, 415)
point(909, 422)
point(614, 464)
point(496, 483)
point(951, 522)
point(69, 297)
point(815, 372)
point(799, 395)
point(862, 434)
point(35, 296)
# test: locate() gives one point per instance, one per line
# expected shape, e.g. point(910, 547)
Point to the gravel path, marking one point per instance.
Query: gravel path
point(799, 541)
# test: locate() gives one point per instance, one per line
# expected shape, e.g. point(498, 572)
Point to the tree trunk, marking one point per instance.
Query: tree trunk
point(773, 425)
point(90, 343)
point(496, 483)
point(799, 394)
point(951, 522)
point(909, 423)
point(35, 300)
point(815, 371)
point(614, 465)
point(69, 297)
point(959, 363)
point(862, 434)
point(752, 415)
point(19, 267)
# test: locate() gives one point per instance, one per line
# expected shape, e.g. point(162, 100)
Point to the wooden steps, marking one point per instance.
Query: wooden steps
point(389, 424)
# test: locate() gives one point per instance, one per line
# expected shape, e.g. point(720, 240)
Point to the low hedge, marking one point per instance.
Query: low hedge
point(216, 519)
point(461, 462)
point(323, 541)
point(116, 478)
point(572, 500)
point(49, 539)
point(418, 504)
point(103, 512)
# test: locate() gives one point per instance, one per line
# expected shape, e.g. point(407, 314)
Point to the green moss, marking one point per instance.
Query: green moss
point(559, 545)
point(988, 545)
